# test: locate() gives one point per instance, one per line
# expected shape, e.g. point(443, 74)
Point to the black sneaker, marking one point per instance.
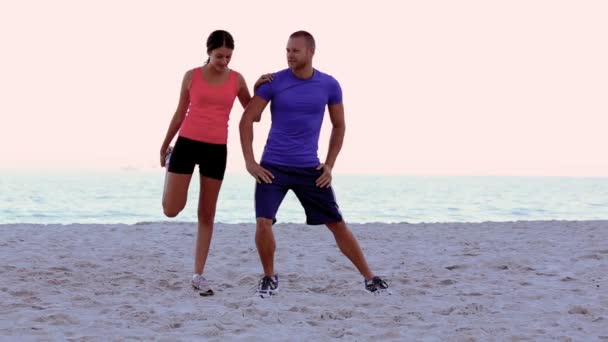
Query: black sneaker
point(268, 286)
point(376, 286)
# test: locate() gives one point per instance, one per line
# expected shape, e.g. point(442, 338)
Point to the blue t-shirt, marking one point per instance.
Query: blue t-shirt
point(297, 109)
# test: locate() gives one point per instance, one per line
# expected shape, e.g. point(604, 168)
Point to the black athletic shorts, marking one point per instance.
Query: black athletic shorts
point(211, 158)
point(319, 204)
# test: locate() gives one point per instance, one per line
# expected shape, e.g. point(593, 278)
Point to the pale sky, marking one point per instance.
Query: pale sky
point(430, 87)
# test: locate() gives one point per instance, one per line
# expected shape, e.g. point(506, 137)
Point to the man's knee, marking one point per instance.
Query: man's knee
point(337, 226)
point(264, 223)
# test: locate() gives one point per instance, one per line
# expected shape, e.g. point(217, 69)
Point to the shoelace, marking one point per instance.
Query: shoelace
point(380, 283)
point(267, 283)
point(376, 284)
point(201, 282)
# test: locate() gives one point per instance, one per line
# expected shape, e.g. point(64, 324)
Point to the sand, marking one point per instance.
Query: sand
point(513, 281)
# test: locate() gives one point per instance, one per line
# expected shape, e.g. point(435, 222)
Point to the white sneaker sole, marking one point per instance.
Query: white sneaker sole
point(266, 294)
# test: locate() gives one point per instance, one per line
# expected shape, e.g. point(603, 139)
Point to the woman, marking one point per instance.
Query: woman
point(205, 101)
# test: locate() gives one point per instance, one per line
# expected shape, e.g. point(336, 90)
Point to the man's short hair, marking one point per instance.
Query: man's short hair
point(310, 40)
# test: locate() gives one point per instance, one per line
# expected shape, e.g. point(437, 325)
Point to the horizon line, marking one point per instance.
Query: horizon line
point(341, 173)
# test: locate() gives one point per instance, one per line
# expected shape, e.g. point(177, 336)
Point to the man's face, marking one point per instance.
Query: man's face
point(298, 53)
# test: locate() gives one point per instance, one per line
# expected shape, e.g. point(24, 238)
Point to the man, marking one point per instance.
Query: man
point(299, 95)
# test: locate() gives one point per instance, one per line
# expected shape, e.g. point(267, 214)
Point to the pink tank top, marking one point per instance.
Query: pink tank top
point(209, 109)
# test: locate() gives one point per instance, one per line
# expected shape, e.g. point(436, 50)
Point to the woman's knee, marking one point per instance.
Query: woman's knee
point(206, 215)
point(172, 210)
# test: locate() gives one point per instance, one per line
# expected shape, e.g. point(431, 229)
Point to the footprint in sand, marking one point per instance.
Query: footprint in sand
point(248, 280)
point(175, 286)
point(56, 319)
point(337, 333)
point(86, 264)
point(456, 267)
point(417, 315)
point(60, 269)
point(318, 289)
point(514, 267)
point(22, 293)
point(546, 274)
point(58, 281)
point(590, 257)
point(175, 325)
point(299, 309)
point(578, 310)
point(7, 269)
point(313, 323)
point(448, 282)
point(339, 315)
point(469, 309)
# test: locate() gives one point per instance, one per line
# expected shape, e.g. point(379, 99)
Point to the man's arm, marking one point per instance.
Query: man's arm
point(336, 114)
point(252, 114)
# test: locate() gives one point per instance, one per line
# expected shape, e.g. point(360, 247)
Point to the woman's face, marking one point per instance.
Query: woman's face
point(220, 57)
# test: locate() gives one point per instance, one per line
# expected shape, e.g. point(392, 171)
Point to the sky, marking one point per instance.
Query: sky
point(513, 88)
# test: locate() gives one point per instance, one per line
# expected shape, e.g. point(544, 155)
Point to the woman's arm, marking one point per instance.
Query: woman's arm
point(178, 116)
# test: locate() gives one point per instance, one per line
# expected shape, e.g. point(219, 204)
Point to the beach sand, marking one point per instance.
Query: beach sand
point(511, 281)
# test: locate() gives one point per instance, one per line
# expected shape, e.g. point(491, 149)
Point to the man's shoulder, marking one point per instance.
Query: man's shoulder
point(267, 89)
point(326, 77)
point(281, 73)
point(279, 77)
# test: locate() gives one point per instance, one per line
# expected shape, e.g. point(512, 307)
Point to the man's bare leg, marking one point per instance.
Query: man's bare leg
point(265, 243)
point(350, 247)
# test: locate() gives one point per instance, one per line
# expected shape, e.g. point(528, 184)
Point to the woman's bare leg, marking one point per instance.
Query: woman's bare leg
point(175, 193)
point(210, 189)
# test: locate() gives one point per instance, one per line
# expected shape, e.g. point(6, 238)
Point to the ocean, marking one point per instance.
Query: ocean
point(131, 196)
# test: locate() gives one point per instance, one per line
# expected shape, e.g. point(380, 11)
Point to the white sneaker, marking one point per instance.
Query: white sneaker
point(200, 283)
point(268, 286)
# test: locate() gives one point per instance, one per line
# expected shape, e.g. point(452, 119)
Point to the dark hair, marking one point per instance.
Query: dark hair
point(218, 39)
point(310, 40)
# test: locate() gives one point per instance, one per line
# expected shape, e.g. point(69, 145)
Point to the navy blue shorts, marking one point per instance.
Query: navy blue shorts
point(319, 204)
point(211, 158)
